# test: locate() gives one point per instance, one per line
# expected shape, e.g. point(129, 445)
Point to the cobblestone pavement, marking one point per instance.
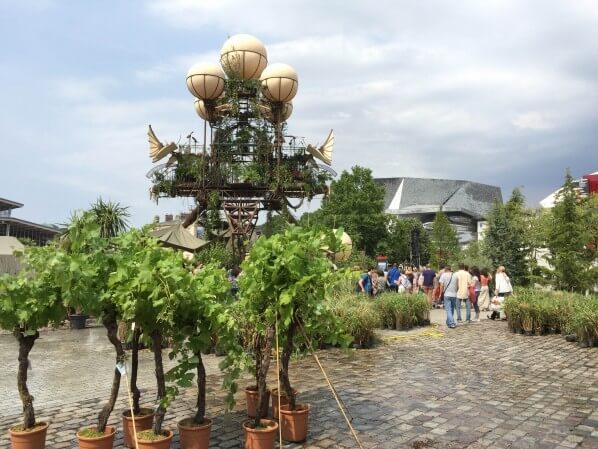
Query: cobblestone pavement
point(477, 386)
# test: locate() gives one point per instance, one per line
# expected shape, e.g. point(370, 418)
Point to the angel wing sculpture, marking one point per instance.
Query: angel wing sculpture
point(324, 153)
point(157, 149)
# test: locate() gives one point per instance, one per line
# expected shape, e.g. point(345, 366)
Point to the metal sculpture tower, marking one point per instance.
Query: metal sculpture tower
point(246, 162)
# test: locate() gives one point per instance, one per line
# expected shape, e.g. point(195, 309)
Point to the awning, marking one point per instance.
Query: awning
point(10, 245)
point(176, 236)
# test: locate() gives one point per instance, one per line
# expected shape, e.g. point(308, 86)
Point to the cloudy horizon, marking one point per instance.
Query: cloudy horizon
point(498, 92)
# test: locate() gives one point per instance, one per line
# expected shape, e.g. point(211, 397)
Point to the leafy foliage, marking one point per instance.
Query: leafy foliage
point(284, 285)
point(403, 237)
point(356, 203)
point(572, 239)
point(505, 238)
point(444, 244)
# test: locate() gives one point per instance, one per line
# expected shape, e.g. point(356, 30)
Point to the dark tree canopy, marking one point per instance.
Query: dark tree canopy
point(444, 243)
point(356, 203)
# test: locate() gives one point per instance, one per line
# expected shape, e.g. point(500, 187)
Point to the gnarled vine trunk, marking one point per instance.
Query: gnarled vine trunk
point(25, 345)
point(263, 349)
point(201, 391)
point(135, 369)
point(111, 324)
point(287, 351)
point(160, 381)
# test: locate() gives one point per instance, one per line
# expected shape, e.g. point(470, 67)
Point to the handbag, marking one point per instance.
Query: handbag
point(472, 298)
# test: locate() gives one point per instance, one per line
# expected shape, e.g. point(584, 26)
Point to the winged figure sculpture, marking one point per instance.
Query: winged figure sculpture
point(324, 153)
point(157, 149)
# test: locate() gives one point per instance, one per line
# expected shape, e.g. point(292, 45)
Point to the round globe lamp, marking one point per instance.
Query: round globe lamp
point(200, 108)
point(268, 113)
point(346, 248)
point(279, 83)
point(243, 56)
point(205, 81)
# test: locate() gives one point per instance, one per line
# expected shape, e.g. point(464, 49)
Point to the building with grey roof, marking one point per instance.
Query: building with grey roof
point(466, 203)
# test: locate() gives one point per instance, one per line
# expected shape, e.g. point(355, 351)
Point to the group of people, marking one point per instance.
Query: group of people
point(399, 278)
point(448, 289)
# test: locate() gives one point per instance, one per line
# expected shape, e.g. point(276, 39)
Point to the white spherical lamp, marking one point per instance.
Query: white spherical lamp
point(200, 108)
point(243, 56)
point(346, 248)
point(205, 81)
point(268, 113)
point(279, 82)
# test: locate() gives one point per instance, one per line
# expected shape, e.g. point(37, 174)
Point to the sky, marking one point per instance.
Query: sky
point(503, 92)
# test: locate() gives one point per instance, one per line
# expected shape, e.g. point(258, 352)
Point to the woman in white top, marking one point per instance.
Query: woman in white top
point(502, 289)
point(502, 283)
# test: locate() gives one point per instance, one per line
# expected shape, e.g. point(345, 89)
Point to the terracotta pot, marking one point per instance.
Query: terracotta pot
point(294, 423)
point(262, 438)
point(33, 439)
point(251, 399)
point(143, 421)
point(157, 444)
point(283, 401)
point(105, 442)
point(194, 436)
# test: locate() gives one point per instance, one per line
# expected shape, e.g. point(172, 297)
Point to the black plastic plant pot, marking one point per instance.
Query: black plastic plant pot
point(77, 321)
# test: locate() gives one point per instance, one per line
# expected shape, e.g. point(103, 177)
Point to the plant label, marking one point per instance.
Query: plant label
point(121, 367)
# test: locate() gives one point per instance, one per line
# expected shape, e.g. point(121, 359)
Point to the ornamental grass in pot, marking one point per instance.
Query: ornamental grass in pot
point(286, 281)
point(29, 302)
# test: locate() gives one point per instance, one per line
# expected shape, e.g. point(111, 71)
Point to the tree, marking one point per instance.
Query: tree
point(28, 302)
point(407, 239)
point(570, 240)
point(504, 238)
point(444, 243)
point(474, 255)
point(111, 217)
point(286, 280)
point(356, 203)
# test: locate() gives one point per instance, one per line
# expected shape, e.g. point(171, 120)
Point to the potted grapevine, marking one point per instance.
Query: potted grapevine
point(197, 318)
point(286, 280)
point(88, 257)
point(29, 302)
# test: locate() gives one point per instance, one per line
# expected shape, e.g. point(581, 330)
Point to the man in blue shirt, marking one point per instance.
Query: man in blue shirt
point(393, 276)
point(365, 283)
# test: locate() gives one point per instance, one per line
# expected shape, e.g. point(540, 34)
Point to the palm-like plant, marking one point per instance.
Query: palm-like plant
point(112, 217)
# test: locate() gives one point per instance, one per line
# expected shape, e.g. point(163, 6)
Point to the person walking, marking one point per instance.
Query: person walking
point(463, 283)
point(428, 276)
point(484, 299)
point(448, 287)
point(477, 288)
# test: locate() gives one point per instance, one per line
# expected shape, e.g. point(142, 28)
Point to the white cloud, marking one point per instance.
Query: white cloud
point(531, 120)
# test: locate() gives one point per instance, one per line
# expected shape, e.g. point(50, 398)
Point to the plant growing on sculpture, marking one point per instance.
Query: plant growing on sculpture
point(29, 302)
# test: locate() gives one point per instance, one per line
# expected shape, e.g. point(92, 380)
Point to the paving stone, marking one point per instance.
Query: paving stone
point(398, 393)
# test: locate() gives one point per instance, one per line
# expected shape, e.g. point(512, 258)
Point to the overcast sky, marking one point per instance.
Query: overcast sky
point(494, 91)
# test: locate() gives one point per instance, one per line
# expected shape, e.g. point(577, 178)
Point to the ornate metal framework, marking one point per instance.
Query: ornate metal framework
point(247, 160)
